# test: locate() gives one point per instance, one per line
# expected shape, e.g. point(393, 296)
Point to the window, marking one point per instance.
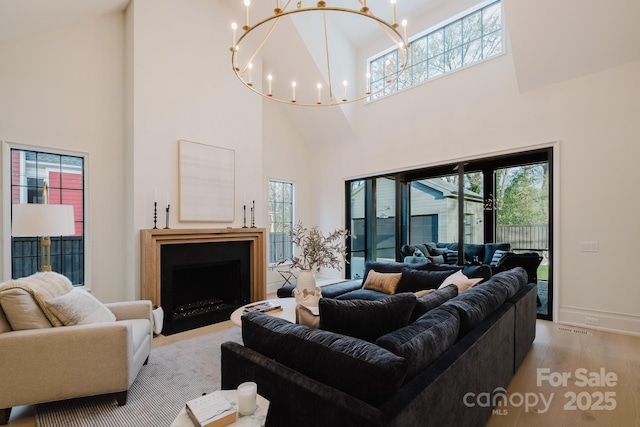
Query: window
point(280, 220)
point(456, 44)
point(64, 175)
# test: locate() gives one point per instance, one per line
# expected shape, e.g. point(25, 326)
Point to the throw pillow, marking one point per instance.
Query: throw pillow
point(461, 281)
point(22, 311)
point(413, 280)
point(382, 282)
point(451, 257)
point(497, 256)
point(418, 252)
point(364, 319)
point(79, 307)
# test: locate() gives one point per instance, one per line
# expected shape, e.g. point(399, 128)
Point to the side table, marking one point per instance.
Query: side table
point(257, 419)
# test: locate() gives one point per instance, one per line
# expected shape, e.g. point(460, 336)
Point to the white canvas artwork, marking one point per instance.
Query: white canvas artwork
point(207, 182)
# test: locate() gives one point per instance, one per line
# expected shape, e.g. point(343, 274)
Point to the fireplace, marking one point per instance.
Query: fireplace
point(203, 283)
point(200, 276)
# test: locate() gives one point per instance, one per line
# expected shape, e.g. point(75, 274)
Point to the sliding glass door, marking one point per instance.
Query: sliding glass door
point(505, 199)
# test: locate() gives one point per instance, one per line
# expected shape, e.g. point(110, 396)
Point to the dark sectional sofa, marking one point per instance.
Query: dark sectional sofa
point(399, 360)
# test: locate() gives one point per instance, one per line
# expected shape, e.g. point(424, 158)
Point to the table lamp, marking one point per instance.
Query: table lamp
point(44, 220)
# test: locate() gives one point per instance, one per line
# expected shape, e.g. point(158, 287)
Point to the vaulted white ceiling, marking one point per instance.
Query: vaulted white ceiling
point(551, 41)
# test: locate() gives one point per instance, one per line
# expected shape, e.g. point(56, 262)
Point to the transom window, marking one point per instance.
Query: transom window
point(451, 46)
point(280, 220)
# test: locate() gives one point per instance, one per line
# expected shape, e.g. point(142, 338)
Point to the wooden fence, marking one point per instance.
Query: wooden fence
point(530, 237)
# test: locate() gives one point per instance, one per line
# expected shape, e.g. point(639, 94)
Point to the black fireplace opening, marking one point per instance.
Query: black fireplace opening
point(203, 283)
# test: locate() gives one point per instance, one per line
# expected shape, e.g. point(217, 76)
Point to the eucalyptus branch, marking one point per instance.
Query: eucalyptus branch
point(316, 250)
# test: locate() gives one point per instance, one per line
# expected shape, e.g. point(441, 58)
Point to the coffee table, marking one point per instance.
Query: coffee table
point(288, 311)
point(257, 419)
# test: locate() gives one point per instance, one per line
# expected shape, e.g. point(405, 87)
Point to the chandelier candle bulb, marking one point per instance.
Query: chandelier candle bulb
point(293, 90)
point(393, 8)
point(247, 3)
point(319, 93)
point(404, 28)
point(269, 79)
point(346, 84)
point(234, 27)
point(368, 85)
point(250, 68)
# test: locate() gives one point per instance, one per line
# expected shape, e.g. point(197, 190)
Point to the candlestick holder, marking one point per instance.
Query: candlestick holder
point(167, 218)
point(253, 214)
point(155, 215)
point(244, 214)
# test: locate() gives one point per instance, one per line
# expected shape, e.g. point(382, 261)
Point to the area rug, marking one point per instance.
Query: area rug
point(175, 373)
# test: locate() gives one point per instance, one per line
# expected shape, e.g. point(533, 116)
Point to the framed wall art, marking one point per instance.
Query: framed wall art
point(207, 182)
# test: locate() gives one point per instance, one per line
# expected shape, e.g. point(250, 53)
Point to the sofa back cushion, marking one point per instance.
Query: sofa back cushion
point(471, 271)
point(364, 319)
point(491, 248)
point(382, 267)
point(414, 280)
point(359, 368)
point(424, 340)
point(511, 281)
point(477, 303)
point(433, 299)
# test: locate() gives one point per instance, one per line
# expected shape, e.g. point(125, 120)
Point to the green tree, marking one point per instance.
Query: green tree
point(522, 195)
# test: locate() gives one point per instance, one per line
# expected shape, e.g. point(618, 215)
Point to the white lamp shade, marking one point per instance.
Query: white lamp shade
point(31, 219)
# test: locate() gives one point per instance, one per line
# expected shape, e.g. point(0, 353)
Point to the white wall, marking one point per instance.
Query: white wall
point(183, 88)
point(63, 91)
point(480, 111)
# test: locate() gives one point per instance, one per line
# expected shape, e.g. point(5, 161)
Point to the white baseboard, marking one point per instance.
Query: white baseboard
point(600, 320)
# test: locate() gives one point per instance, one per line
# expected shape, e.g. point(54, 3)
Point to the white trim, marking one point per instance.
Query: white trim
point(6, 204)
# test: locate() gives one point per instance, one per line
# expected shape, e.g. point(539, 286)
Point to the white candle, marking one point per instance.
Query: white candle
point(319, 93)
point(404, 27)
point(345, 83)
point(250, 69)
point(368, 87)
point(269, 78)
point(393, 7)
point(246, 16)
point(234, 27)
point(247, 393)
point(293, 88)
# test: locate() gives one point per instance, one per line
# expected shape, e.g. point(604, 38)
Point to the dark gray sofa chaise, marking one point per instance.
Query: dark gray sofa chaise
point(472, 343)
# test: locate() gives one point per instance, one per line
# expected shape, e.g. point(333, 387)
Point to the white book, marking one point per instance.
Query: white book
point(211, 410)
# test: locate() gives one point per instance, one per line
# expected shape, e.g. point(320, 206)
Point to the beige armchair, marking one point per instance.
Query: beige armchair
point(55, 363)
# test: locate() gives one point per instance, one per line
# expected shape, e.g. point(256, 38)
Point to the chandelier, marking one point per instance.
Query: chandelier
point(331, 88)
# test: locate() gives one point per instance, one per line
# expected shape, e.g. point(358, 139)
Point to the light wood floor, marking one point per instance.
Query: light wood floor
point(557, 348)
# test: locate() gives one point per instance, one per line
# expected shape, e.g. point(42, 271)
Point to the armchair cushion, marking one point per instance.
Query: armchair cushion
point(79, 307)
point(4, 323)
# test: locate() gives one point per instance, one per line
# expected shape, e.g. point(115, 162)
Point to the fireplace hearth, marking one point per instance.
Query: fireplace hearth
point(200, 277)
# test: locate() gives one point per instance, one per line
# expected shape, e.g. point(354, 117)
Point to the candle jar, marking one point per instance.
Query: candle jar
point(247, 394)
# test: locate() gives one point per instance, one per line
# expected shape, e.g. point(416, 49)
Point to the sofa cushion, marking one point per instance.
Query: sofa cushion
point(451, 257)
point(364, 294)
point(471, 251)
point(433, 299)
point(415, 280)
point(362, 369)
point(491, 248)
point(366, 320)
point(382, 282)
point(424, 340)
point(461, 281)
point(497, 256)
point(79, 307)
point(511, 281)
point(476, 304)
point(471, 271)
point(22, 311)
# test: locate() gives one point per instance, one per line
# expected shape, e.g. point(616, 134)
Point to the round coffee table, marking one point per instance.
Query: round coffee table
point(288, 311)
